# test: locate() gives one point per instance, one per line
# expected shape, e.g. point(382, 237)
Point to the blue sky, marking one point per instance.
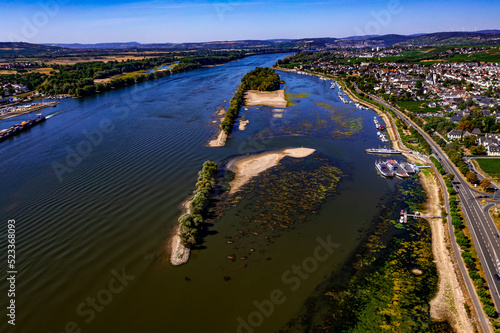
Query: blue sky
point(83, 21)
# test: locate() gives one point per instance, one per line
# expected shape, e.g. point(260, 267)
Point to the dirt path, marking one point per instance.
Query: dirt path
point(448, 304)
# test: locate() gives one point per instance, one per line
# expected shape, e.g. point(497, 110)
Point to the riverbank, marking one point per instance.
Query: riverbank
point(179, 254)
point(247, 168)
point(448, 303)
point(275, 99)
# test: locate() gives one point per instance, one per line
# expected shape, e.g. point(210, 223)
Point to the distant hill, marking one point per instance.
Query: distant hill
point(26, 49)
point(489, 31)
point(454, 38)
point(483, 37)
point(96, 46)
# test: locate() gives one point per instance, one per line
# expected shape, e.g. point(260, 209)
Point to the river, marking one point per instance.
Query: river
point(95, 192)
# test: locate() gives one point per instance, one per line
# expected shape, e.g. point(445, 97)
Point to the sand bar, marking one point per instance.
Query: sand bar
point(179, 253)
point(249, 167)
point(243, 124)
point(274, 99)
point(220, 141)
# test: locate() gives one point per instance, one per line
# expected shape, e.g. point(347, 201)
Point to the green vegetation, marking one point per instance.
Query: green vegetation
point(262, 79)
point(277, 201)
point(491, 55)
point(291, 98)
point(414, 140)
point(418, 106)
point(456, 158)
point(31, 80)
point(438, 165)
point(390, 280)
point(191, 224)
point(490, 166)
point(190, 63)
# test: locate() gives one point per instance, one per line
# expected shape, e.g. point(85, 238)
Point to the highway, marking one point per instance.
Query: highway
point(482, 228)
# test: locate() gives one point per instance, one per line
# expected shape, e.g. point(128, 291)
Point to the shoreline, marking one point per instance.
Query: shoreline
point(448, 302)
point(180, 254)
point(220, 140)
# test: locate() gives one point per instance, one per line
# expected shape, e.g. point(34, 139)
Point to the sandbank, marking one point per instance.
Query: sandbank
point(243, 124)
point(179, 253)
point(274, 99)
point(247, 168)
point(220, 141)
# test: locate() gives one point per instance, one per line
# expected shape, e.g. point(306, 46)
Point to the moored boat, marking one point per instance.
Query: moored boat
point(397, 169)
point(408, 167)
point(384, 169)
point(382, 151)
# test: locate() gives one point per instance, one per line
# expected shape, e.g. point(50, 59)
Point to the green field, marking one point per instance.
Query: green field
point(431, 55)
point(416, 106)
point(491, 166)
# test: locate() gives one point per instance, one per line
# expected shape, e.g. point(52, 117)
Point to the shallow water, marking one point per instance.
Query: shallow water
point(82, 220)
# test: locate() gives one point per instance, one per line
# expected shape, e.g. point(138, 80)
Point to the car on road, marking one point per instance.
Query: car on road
point(496, 235)
point(497, 277)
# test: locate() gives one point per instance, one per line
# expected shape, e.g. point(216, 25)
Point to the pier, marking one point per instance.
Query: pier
point(405, 215)
point(24, 109)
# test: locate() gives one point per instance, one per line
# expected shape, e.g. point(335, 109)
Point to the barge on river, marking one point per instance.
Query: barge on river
point(21, 127)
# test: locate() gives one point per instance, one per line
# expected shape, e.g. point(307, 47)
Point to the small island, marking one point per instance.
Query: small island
point(190, 224)
point(258, 87)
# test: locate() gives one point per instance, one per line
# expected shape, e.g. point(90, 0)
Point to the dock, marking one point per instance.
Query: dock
point(25, 109)
point(405, 215)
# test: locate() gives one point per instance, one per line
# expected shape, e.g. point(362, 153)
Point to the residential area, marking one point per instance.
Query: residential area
point(456, 102)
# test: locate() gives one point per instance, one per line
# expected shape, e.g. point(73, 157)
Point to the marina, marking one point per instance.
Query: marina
point(12, 111)
point(383, 151)
point(392, 168)
point(397, 169)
